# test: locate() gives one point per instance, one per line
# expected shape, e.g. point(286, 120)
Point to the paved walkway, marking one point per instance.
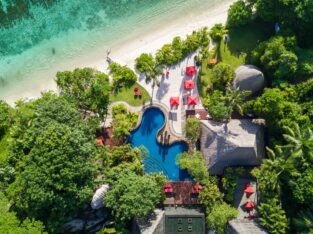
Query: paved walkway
point(173, 86)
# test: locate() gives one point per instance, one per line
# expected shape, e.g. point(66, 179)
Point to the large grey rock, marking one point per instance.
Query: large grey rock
point(250, 78)
point(94, 224)
point(75, 225)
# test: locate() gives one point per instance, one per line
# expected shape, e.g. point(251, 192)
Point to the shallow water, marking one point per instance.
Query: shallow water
point(56, 36)
point(161, 158)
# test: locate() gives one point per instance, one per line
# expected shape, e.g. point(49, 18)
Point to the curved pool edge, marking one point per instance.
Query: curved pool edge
point(175, 137)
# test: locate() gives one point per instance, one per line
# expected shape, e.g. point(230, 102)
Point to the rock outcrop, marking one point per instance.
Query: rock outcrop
point(250, 78)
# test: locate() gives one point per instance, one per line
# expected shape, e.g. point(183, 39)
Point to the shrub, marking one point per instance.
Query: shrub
point(239, 13)
point(122, 75)
point(193, 129)
point(223, 75)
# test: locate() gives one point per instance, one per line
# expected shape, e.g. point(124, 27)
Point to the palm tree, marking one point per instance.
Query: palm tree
point(235, 98)
point(274, 168)
point(304, 222)
point(299, 144)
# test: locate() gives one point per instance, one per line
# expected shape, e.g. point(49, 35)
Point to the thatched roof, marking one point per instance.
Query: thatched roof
point(235, 143)
point(249, 77)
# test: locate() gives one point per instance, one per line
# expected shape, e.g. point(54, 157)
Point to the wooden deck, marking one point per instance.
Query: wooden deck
point(182, 194)
point(201, 112)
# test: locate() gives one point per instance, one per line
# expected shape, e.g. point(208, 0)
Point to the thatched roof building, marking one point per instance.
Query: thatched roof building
point(249, 77)
point(239, 142)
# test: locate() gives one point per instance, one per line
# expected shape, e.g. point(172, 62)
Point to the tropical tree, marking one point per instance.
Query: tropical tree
point(217, 107)
point(88, 87)
point(223, 75)
point(51, 154)
point(239, 13)
point(235, 98)
point(218, 218)
point(123, 121)
point(272, 170)
point(133, 196)
point(217, 32)
point(5, 117)
point(122, 75)
point(299, 143)
point(9, 223)
point(145, 63)
point(304, 222)
point(195, 165)
point(277, 57)
point(273, 217)
point(192, 129)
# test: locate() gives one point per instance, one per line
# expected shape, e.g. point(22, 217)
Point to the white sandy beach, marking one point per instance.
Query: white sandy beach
point(123, 51)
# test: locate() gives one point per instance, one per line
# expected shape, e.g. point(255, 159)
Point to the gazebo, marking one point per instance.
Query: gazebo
point(189, 84)
point(174, 101)
point(191, 71)
point(192, 100)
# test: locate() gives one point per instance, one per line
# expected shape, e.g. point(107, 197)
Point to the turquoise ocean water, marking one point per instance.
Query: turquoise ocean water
point(40, 37)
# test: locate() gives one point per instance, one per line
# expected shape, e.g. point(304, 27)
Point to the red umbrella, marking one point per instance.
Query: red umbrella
point(136, 88)
point(191, 70)
point(174, 101)
point(100, 141)
point(249, 190)
point(189, 84)
point(168, 185)
point(249, 205)
point(195, 190)
point(192, 100)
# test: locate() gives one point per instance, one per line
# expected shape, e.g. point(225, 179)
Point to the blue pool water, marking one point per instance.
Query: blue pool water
point(161, 158)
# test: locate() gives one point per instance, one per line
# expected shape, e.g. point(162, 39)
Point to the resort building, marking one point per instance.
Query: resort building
point(239, 142)
point(171, 220)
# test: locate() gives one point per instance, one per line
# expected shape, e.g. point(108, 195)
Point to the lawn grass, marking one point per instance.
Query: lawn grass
point(237, 51)
point(4, 147)
point(127, 94)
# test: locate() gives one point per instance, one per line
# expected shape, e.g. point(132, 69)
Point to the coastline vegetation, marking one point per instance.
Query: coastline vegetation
point(285, 58)
point(50, 163)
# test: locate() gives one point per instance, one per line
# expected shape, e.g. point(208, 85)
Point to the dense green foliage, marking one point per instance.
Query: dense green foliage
point(220, 106)
point(294, 17)
point(132, 193)
point(193, 129)
point(217, 32)
point(123, 121)
point(223, 75)
point(281, 107)
point(239, 13)
point(147, 65)
point(9, 223)
point(273, 218)
point(171, 54)
point(217, 211)
point(195, 165)
point(88, 87)
point(277, 57)
point(122, 75)
point(49, 168)
point(219, 216)
point(133, 196)
point(5, 117)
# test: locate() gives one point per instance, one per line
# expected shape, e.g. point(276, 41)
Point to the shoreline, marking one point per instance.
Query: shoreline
point(124, 51)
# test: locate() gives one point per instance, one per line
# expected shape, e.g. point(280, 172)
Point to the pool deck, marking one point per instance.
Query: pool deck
point(171, 86)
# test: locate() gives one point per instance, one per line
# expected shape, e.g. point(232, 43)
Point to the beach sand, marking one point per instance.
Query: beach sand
point(124, 51)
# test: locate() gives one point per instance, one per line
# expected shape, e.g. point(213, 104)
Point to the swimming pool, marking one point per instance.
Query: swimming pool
point(162, 158)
